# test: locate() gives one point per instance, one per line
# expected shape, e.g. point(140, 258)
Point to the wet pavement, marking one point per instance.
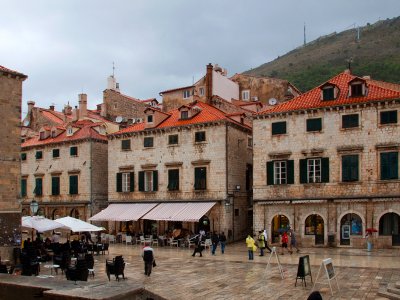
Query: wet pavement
point(178, 275)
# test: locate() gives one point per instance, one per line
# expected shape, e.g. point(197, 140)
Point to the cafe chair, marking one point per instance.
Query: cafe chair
point(128, 239)
point(115, 267)
point(90, 263)
point(79, 272)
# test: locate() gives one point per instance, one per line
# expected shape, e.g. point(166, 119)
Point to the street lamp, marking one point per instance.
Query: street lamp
point(34, 206)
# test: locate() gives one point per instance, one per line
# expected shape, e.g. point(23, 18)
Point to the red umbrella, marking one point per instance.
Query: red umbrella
point(371, 230)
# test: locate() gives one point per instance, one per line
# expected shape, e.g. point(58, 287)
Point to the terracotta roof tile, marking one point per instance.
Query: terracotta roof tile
point(207, 114)
point(12, 72)
point(312, 98)
point(177, 89)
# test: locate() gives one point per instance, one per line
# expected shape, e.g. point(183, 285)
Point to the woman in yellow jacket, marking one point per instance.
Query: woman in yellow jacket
point(250, 246)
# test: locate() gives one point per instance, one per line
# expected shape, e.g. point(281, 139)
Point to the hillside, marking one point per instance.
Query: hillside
point(377, 54)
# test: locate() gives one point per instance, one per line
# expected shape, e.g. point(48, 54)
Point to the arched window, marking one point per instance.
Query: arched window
point(56, 214)
point(355, 223)
point(74, 213)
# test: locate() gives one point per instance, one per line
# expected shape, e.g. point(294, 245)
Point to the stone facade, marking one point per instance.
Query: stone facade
point(10, 113)
point(363, 202)
point(225, 155)
point(90, 165)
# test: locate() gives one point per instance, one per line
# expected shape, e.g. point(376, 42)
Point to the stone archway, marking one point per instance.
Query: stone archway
point(350, 224)
point(278, 223)
point(389, 225)
point(74, 213)
point(314, 225)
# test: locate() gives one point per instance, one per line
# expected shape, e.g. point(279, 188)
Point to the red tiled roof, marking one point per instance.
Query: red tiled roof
point(52, 116)
point(85, 131)
point(207, 114)
point(149, 100)
point(177, 89)
point(312, 98)
point(12, 72)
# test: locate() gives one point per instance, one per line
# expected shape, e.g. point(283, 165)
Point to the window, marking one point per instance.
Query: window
point(201, 91)
point(389, 165)
point(200, 136)
point(39, 154)
point(184, 114)
point(56, 153)
point(38, 191)
point(148, 142)
point(173, 180)
point(53, 134)
point(125, 182)
point(280, 172)
point(173, 139)
point(350, 168)
point(73, 184)
point(200, 178)
point(42, 135)
point(314, 170)
point(186, 94)
point(328, 93)
point(23, 187)
point(126, 144)
point(55, 185)
point(245, 95)
point(150, 119)
point(73, 151)
point(23, 156)
point(148, 181)
point(249, 142)
point(314, 125)
point(279, 128)
point(356, 90)
point(70, 131)
point(389, 117)
point(350, 121)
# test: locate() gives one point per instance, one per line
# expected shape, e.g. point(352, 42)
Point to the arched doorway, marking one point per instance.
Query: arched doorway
point(74, 213)
point(350, 224)
point(389, 224)
point(314, 225)
point(56, 214)
point(278, 224)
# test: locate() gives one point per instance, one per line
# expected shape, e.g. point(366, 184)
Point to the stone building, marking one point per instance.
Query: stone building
point(191, 166)
point(10, 113)
point(326, 164)
point(64, 166)
point(238, 89)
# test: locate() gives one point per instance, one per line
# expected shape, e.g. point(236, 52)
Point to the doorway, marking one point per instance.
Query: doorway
point(279, 223)
point(314, 225)
point(389, 225)
point(350, 224)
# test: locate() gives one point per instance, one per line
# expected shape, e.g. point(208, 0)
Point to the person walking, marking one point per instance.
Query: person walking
point(222, 241)
point(199, 248)
point(261, 242)
point(266, 240)
point(148, 258)
point(250, 243)
point(284, 241)
point(214, 241)
point(293, 242)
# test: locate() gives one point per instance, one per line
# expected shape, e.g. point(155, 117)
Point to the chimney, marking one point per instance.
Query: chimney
point(82, 105)
point(103, 111)
point(31, 104)
point(347, 71)
point(75, 114)
point(67, 109)
point(209, 79)
point(51, 107)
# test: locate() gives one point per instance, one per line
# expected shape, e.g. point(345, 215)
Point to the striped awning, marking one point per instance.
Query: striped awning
point(123, 212)
point(185, 211)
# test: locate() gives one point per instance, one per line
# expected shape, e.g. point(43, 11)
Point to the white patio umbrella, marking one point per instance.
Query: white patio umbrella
point(40, 224)
point(77, 225)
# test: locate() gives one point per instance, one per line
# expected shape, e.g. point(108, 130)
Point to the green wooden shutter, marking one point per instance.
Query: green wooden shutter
point(55, 185)
point(132, 181)
point(38, 187)
point(389, 165)
point(155, 180)
point(141, 181)
point(119, 182)
point(73, 184)
point(303, 171)
point(270, 173)
point(197, 176)
point(325, 169)
point(23, 187)
point(345, 169)
point(290, 171)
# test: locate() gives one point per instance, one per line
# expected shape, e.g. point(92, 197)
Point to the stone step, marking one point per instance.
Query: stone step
point(384, 293)
point(391, 288)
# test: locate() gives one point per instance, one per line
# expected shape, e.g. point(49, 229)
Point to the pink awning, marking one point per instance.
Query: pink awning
point(123, 212)
point(185, 211)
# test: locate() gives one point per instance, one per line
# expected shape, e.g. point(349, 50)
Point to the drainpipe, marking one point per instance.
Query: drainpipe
point(91, 180)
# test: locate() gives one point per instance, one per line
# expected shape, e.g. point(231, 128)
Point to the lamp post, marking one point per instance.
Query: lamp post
point(34, 206)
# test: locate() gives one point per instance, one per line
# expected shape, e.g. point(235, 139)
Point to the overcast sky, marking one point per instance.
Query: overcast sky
point(67, 47)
